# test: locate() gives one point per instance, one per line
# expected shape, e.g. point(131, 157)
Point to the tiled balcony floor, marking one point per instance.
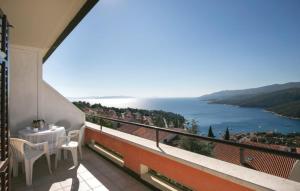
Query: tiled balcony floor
point(93, 173)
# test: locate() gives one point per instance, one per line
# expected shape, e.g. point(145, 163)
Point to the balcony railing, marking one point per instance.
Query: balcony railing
point(260, 157)
point(165, 165)
point(241, 146)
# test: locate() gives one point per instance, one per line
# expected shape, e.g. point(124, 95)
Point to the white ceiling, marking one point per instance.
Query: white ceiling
point(38, 23)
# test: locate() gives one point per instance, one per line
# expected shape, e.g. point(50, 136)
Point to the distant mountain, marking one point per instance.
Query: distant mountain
point(283, 99)
point(284, 102)
point(226, 94)
point(291, 109)
point(100, 97)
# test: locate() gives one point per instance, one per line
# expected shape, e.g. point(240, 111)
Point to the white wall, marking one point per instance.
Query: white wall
point(31, 98)
point(23, 86)
point(57, 109)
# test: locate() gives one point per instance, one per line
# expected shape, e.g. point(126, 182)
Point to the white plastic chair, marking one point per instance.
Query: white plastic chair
point(72, 143)
point(27, 153)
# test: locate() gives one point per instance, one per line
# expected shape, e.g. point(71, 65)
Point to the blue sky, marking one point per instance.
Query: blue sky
point(175, 48)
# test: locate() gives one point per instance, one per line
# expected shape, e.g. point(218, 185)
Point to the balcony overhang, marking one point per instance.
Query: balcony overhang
point(44, 24)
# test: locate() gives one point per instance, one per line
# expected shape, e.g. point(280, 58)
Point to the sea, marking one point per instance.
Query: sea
point(219, 116)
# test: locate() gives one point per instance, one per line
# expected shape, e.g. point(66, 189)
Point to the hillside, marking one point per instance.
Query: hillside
point(284, 102)
point(291, 109)
point(226, 94)
point(158, 118)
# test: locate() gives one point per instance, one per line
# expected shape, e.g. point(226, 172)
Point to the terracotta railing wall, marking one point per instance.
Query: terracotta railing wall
point(134, 156)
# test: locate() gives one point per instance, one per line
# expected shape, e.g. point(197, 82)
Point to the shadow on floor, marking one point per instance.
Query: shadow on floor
point(93, 173)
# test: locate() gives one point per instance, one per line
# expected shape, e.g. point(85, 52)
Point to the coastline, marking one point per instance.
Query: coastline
point(266, 110)
point(243, 119)
point(280, 115)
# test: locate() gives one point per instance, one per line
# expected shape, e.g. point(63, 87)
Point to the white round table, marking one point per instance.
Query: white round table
point(44, 135)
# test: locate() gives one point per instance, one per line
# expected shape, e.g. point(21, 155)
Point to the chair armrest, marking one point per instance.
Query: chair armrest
point(64, 139)
point(74, 133)
point(39, 144)
point(34, 144)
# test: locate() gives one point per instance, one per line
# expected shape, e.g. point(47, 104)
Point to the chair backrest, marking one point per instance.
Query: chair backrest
point(81, 135)
point(17, 148)
point(77, 134)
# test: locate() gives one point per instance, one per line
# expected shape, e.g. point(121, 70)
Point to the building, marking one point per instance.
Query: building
point(39, 26)
point(261, 161)
point(147, 133)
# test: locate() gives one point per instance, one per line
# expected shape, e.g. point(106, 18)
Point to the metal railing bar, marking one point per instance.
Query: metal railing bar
point(226, 142)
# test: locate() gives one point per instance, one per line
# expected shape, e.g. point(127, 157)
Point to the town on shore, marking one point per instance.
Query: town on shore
point(178, 123)
point(252, 159)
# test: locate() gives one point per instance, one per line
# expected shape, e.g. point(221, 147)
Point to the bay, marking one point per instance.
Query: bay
point(237, 119)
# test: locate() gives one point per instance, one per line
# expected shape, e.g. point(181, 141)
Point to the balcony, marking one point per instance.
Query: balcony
point(126, 162)
point(135, 162)
point(191, 170)
point(93, 173)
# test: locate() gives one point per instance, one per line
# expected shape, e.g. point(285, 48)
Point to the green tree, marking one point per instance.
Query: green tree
point(210, 132)
point(227, 135)
point(194, 145)
point(194, 128)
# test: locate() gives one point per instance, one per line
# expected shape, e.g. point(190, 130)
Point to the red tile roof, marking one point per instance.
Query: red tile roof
point(146, 133)
point(261, 161)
